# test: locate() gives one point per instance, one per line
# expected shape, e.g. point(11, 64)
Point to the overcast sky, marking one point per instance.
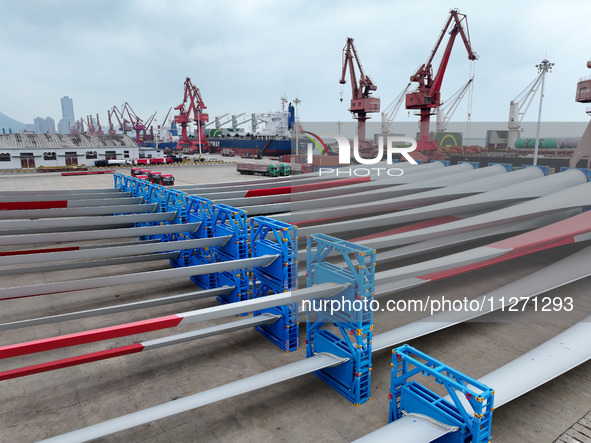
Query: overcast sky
point(244, 55)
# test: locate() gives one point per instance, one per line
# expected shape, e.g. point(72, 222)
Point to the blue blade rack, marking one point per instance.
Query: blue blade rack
point(201, 210)
point(228, 220)
point(354, 319)
point(268, 236)
point(411, 397)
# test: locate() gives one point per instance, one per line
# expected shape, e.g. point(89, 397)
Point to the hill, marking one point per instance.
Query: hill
point(7, 122)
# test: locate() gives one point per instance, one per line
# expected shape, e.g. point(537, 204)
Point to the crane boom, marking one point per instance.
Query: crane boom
point(451, 104)
point(392, 109)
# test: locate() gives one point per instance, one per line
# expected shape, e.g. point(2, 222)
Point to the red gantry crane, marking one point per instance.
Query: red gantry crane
point(361, 101)
point(138, 124)
point(78, 128)
point(90, 125)
point(195, 108)
point(110, 114)
point(99, 128)
point(123, 123)
point(428, 97)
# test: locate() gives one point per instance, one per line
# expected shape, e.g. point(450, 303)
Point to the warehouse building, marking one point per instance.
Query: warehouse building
point(47, 150)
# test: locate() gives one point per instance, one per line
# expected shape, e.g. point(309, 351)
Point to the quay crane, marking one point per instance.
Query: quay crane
point(196, 107)
point(138, 124)
point(428, 94)
point(520, 104)
point(392, 109)
point(446, 111)
point(362, 102)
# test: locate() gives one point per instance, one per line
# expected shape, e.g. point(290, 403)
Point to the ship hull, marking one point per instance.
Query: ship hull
point(250, 147)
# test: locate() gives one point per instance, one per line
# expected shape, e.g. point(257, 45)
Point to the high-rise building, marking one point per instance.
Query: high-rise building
point(40, 125)
point(44, 125)
point(63, 126)
point(50, 125)
point(67, 108)
point(68, 120)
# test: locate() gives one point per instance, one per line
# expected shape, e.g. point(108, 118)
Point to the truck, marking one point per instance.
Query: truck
point(284, 169)
point(227, 152)
point(118, 162)
point(271, 170)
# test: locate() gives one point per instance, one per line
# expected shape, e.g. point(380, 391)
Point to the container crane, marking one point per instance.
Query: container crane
point(520, 104)
point(136, 123)
point(123, 123)
point(392, 109)
point(99, 128)
point(448, 107)
point(90, 125)
point(362, 103)
point(114, 112)
point(196, 107)
point(78, 128)
point(428, 95)
point(148, 124)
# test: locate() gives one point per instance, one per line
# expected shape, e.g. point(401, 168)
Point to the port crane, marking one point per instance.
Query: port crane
point(111, 129)
point(99, 128)
point(78, 128)
point(520, 104)
point(90, 129)
point(138, 124)
point(583, 150)
point(428, 94)
point(195, 108)
point(124, 125)
point(362, 103)
point(445, 112)
point(392, 109)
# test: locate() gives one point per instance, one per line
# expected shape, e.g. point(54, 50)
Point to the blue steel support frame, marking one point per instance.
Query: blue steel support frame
point(175, 201)
point(218, 221)
point(476, 165)
point(201, 210)
point(228, 220)
point(270, 236)
point(121, 181)
point(349, 312)
point(507, 166)
point(585, 171)
point(412, 397)
point(545, 169)
point(152, 194)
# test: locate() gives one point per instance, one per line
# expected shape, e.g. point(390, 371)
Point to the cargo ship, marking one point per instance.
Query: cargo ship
point(272, 140)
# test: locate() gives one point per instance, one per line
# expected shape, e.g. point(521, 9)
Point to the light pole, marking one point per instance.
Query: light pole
point(199, 131)
point(297, 101)
point(544, 67)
